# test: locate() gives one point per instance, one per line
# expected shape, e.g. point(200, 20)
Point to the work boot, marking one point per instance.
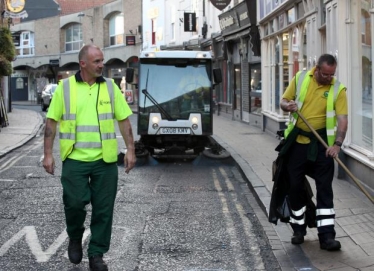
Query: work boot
point(297, 238)
point(327, 242)
point(97, 263)
point(330, 245)
point(75, 251)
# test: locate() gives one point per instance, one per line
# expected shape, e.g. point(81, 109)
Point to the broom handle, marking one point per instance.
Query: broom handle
point(336, 158)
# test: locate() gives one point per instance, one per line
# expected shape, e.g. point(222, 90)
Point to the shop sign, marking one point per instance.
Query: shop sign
point(235, 18)
point(130, 40)
point(220, 4)
point(189, 22)
point(226, 22)
point(54, 62)
point(20, 74)
point(243, 14)
point(129, 96)
point(14, 9)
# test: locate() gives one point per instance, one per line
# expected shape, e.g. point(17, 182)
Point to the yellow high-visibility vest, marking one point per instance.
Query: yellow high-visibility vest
point(69, 128)
point(302, 83)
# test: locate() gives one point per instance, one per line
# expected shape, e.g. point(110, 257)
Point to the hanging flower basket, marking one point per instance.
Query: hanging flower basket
point(5, 67)
point(7, 49)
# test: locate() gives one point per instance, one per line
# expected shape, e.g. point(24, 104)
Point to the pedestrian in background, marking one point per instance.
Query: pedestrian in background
point(87, 105)
point(322, 100)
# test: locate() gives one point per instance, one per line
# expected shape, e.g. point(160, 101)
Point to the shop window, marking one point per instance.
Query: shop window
point(154, 32)
point(266, 30)
point(172, 31)
point(281, 21)
point(362, 101)
point(285, 53)
point(256, 88)
point(365, 27)
point(291, 16)
point(237, 87)
point(300, 11)
point(303, 47)
point(272, 26)
point(323, 13)
point(116, 29)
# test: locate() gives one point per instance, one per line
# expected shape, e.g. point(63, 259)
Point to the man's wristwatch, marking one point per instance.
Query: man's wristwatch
point(338, 143)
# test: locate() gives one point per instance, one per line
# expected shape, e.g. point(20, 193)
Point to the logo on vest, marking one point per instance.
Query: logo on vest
point(104, 102)
point(325, 94)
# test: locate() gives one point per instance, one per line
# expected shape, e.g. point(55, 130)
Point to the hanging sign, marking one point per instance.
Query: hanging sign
point(189, 22)
point(15, 5)
point(130, 40)
point(14, 9)
point(220, 4)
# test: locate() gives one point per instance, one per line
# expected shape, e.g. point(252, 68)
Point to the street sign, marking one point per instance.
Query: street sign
point(220, 4)
point(54, 62)
point(189, 22)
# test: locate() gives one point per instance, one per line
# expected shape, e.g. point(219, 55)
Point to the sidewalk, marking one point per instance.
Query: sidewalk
point(23, 126)
point(253, 150)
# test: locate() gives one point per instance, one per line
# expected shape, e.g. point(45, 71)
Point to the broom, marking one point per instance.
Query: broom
point(357, 182)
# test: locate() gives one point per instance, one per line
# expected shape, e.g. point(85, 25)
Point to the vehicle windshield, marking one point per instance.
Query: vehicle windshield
point(179, 86)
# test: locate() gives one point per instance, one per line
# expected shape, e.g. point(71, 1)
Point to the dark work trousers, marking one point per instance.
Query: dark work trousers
point(90, 182)
point(322, 171)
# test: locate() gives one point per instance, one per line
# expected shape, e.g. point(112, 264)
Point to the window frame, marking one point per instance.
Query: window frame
point(26, 45)
point(74, 44)
point(116, 30)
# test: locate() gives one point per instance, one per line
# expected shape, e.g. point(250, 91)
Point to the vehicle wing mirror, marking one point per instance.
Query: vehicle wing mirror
point(129, 75)
point(217, 76)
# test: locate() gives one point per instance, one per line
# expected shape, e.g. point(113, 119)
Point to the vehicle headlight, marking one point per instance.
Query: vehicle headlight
point(201, 55)
point(155, 120)
point(194, 120)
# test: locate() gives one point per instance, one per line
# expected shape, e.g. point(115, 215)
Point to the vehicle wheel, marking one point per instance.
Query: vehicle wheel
point(44, 107)
point(216, 153)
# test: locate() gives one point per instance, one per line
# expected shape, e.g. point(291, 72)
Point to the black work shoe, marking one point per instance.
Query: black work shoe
point(97, 263)
point(75, 251)
point(330, 245)
point(297, 238)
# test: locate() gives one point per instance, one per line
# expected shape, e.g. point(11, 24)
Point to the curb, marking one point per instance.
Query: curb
point(26, 139)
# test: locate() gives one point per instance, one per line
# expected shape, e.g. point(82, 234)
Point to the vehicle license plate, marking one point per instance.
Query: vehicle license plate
point(175, 131)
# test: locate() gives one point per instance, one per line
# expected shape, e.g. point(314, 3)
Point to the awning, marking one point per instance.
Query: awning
point(238, 33)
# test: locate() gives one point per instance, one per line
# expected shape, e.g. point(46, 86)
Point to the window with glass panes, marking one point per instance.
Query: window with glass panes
point(26, 44)
point(116, 30)
point(73, 38)
point(362, 100)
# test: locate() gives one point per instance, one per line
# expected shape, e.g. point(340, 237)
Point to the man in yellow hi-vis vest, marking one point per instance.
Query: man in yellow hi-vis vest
point(87, 105)
point(322, 100)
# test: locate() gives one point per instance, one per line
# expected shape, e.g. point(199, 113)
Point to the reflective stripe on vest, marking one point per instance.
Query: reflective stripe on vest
point(302, 82)
point(69, 128)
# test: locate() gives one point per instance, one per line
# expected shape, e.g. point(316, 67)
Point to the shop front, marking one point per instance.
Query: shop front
point(294, 35)
point(240, 57)
point(284, 46)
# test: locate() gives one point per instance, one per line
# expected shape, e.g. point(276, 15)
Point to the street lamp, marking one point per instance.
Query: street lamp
point(81, 14)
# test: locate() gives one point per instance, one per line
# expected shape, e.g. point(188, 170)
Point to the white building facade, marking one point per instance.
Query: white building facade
point(164, 22)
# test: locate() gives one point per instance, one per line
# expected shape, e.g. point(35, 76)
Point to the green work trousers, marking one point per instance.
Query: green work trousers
point(90, 182)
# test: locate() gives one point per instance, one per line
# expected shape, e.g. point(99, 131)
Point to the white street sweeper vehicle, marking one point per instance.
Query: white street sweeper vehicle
point(175, 105)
